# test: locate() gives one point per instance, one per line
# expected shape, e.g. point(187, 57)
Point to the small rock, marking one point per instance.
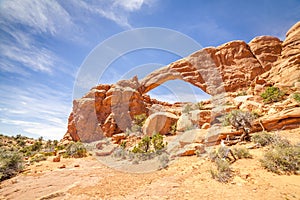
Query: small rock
point(62, 166)
point(77, 165)
point(118, 137)
point(190, 149)
point(205, 126)
point(56, 158)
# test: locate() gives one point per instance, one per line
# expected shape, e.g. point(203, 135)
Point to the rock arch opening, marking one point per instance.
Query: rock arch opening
point(178, 91)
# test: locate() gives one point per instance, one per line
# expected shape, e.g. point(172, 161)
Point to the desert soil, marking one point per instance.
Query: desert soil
point(185, 178)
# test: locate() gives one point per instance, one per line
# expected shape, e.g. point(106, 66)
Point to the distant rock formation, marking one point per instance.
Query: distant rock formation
point(233, 67)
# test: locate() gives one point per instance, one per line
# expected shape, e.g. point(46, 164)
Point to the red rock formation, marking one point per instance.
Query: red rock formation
point(235, 66)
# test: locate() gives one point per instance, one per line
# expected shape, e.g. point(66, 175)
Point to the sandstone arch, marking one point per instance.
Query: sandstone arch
point(231, 67)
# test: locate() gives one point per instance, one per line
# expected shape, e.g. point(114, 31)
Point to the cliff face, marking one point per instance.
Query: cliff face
point(235, 66)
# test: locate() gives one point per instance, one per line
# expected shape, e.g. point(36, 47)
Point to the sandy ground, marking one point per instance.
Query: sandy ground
point(185, 178)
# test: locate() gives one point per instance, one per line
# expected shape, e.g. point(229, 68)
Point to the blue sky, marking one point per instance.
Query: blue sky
point(43, 43)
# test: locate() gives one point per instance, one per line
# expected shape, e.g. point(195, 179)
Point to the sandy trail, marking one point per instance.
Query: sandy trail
point(186, 178)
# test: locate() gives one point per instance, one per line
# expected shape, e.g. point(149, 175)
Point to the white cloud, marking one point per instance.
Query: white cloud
point(129, 5)
point(117, 11)
point(42, 16)
point(33, 58)
point(50, 131)
point(38, 110)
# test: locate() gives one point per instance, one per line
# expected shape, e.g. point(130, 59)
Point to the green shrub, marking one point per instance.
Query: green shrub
point(158, 142)
point(75, 150)
point(140, 119)
point(143, 146)
point(38, 157)
point(10, 164)
point(223, 173)
point(282, 159)
point(21, 142)
point(123, 144)
point(272, 94)
point(263, 138)
point(36, 146)
point(242, 152)
point(296, 96)
point(242, 93)
point(238, 119)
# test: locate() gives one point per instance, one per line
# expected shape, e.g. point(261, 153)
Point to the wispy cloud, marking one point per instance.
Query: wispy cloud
point(22, 25)
point(31, 32)
point(37, 109)
point(117, 11)
point(41, 16)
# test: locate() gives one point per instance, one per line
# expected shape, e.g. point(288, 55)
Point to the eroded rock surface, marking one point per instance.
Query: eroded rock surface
point(233, 67)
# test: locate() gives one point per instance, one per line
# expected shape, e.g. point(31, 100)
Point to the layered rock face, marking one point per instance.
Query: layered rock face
point(235, 66)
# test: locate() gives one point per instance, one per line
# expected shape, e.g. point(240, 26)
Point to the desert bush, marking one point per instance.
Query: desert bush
point(164, 160)
point(143, 146)
point(173, 128)
point(272, 94)
point(150, 144)
point(75, 150)
point(242, 93)
point(263, 138)
point(38, 157)
point(223, 172)
point(123, 144)
point(21, 142)
point(187, 108)
point(10, 164)
point(36, 146)
point(239, 119)
point(219, 153)
point(242, 152)
point(140, 119)
point(296, 96)
point(158, 142)
point(282, 159)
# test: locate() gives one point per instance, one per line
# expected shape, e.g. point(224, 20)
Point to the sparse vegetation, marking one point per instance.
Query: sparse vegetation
point(296, 96)
point(138, 122)
point(140, 119)
point(272, 94)
point(223, 172)
point(262, 138)
point(38, 157)
point(158, 142)
point(192, 106)
point(239, 119)
point(75, 150)
point(148, 145)
point(242, 93)
point(282, 159)
point(11, 163)
point(147, 149)
point(164, 160)
point(242, 152)
point(143, 146)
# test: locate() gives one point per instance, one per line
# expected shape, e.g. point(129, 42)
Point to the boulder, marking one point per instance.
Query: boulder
point(205, 126)
point(160, 122)
point(285, 119)
point(184, 123)
point(118, 137)
point(190, 149)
